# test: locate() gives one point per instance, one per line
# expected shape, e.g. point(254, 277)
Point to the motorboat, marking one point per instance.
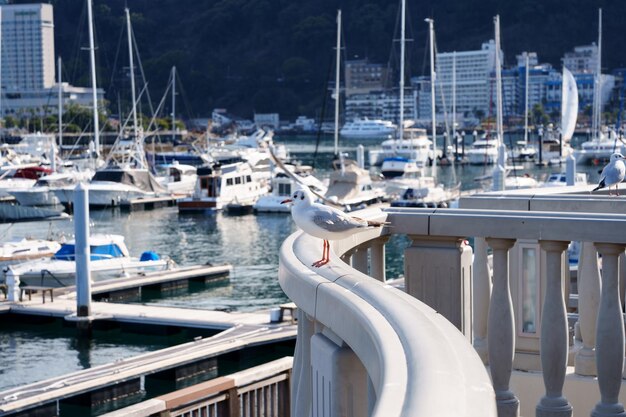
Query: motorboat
point(22, 179)
point(283, 184)
point(367, 129)
point(24, 249)
point(483, 151)
point(179, 179)
point(109, 259)
point(220, 186)
point(418, 190)
point(559, 179)
point(414, 146)
point(352, 187)
point(599, 149)
point(42, 192)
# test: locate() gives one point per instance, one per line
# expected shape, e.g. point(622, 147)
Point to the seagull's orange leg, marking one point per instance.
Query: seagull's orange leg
point(325, 255)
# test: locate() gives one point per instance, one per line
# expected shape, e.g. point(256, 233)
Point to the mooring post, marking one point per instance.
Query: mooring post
point(83, 254)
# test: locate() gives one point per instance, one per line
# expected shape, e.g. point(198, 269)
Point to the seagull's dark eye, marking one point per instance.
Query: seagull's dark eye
point(302, 197)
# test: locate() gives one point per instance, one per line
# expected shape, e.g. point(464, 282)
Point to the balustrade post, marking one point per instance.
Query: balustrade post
point(360, 260)
point(301, 389)
point(610, 335)
point(377, 258)
point(501, 330)
point(588, 278)
point(554, 335)
point(481, 283)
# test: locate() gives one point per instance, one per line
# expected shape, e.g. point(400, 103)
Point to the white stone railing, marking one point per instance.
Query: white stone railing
point(367, 349)
point(391, 352)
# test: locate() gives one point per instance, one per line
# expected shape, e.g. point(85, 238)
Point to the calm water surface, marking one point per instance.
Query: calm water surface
point(250, 243)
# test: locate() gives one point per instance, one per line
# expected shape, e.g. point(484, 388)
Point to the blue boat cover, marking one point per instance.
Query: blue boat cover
point(149, 256)
point(68, 252)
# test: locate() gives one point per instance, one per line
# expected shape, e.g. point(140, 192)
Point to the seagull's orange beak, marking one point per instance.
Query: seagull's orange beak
point(289, 200)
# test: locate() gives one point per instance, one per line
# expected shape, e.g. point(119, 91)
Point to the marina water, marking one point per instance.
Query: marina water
point(250, 243)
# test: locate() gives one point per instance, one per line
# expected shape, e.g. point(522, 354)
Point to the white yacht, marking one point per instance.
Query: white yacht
point(483, 152)
point(109, 259)
point(559, 179)
point(352, 187)
point(224, 187)
point(283, 185)
point(179, 179)
point(42, 192)
point(367, 128)
point(415, 145)
point(20, 250)
point(418, 190)
point(599, 149)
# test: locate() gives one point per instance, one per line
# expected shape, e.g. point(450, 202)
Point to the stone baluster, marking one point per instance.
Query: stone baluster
point(554, 335)
point(501, 331)
point(622, 278)
point(360, 260)
point(481, 282)
point(301, 388)
point(588, 303)
point(610, 335)
point(377, 258)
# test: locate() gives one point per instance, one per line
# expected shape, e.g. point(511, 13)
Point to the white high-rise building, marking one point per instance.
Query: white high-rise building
point(27, 46)
point(28, 77)
point(473, 71)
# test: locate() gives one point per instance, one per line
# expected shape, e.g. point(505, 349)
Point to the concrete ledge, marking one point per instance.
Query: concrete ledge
point(145, 408)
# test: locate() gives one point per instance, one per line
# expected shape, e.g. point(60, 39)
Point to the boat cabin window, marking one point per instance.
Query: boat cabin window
point(238, 180)
point(175, 174)
point(248, 178)
point(229, 181)
point(284, 189)
point(98, 252)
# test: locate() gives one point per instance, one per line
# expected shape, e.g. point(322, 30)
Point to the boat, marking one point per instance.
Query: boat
point(24, 249)
point(109, 259)
point(22, 179)
point(559, 179)
point(602, 143)
point(483, 151)
point(352, 187)
point(283, 184)
point(41, 193)
point(418, 190)
point(179, 179)
point(365, 128)
point(220, 186)
point(415, 146)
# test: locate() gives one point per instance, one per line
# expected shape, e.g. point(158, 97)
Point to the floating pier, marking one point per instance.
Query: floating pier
point(141, 204)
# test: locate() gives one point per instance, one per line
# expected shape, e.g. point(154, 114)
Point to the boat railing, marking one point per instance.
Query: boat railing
point(424, 351)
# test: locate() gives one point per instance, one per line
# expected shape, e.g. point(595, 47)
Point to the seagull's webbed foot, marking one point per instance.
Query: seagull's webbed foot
point(325, 256)
point(319, 263)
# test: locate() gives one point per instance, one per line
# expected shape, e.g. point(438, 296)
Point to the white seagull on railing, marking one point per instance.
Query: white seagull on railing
point(324, 222)
point(613, 173)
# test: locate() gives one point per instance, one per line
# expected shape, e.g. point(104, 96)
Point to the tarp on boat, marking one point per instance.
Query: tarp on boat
point(140, 178)
point(12, 213)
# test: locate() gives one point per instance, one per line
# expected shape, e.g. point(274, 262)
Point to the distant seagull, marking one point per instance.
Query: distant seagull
point(324, 222)
point(613, 173)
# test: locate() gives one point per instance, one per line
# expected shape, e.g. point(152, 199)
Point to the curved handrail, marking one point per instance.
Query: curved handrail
point(418, 362)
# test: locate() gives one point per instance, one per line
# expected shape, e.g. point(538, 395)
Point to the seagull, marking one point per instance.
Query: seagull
point(324, 222)
point(613, 173)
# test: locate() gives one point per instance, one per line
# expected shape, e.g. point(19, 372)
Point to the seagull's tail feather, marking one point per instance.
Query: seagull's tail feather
point(601, 185)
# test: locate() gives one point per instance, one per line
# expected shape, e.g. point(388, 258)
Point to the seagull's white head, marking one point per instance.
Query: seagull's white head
point(616, 156)
point(299, 197)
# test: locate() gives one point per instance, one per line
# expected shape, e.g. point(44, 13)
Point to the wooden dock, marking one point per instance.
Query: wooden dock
point(125, 378)
point(140, 204)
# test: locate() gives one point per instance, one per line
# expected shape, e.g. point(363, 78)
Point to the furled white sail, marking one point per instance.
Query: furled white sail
point(569, 105)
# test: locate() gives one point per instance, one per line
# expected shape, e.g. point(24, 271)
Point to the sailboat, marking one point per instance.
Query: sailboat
point(601, 146)
point(411, 149)
point(126, 175)
point(414, 189)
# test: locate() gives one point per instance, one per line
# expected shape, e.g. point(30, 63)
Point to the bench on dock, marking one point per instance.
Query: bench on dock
point(292, 308)
point(29, 290)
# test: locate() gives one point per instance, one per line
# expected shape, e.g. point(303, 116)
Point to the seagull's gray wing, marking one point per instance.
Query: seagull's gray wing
point(335, 221)
point(613, 173)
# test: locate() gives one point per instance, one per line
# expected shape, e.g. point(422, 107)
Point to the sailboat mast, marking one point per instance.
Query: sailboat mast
point(526, 102)
point(92, 58)
point(132, 70)
point(402, 42)
point(173, 103)
point(53, 156)
point(498, 66)
point(337, 75)
point(433, 77)
point(595, 122)
point(454, 96)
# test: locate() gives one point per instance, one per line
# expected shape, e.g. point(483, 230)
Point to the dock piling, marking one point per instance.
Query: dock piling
point(81, 229)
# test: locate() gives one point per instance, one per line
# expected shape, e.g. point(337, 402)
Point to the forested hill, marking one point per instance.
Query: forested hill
point(275, 55)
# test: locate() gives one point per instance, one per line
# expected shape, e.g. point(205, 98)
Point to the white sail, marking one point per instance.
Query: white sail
point(569, 105)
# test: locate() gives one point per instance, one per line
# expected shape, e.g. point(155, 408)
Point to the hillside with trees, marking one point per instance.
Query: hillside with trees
point(276, 56)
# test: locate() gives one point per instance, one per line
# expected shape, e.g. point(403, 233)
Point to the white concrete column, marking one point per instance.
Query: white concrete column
point(377, 258)
point(610, 335)
point(554, 335)
point(360, 260)
point(588, 304)
point(339, 380)
point(501, 331)
point(301, 388)
point(622, 278)
point(481, 291)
